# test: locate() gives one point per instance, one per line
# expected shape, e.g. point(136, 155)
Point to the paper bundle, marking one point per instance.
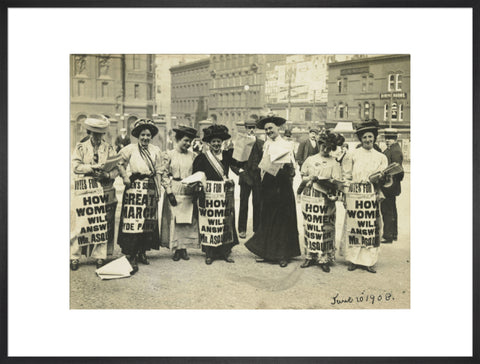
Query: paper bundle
point(112, 162)
point(196, 177)
point(118, 268)
point(243, 147)
point(183, 212)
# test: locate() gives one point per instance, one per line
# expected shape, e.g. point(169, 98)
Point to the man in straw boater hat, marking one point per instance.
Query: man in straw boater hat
point(88, 160)
point(276, 239)
point(392, 190)
point(249, 181)
point(362, 199)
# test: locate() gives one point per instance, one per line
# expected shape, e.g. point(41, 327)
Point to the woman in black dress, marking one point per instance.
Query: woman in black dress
point(277, 237)
point(215, 163)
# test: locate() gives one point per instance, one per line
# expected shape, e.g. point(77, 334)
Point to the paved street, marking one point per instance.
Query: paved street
point(166, 284)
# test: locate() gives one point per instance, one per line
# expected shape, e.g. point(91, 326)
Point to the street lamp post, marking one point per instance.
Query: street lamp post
point(246, 88)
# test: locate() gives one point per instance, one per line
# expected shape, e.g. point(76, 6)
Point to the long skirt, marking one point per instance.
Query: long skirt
point(92, 220)
point(138, 230)
point(179, 228)
point(277, 236)
point(319, 225)
point(216, 219)
point(363, 225)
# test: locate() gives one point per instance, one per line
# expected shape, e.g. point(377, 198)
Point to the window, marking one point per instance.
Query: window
point(308, 114)
point(149, 92)
point(372, 111)
point(400, 112)
point(366, 112)
point(81, 88)
point(341, 111)
point(395, 82)
point(394, 112)
point(391, 82)
point(364, 83)
point(345, 85)
point(385, 112)
point(339, 86)
point(398, 82)
point(104, 89)
point(136, 91)
point(360, 111)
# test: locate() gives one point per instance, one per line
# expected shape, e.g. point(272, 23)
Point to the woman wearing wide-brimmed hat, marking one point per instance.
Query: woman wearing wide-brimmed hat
point(361, 238)
point(215, 163)
point(276, 239)
point(317, 173)
point(88, 159)
point(138, 231)
point(180, 225)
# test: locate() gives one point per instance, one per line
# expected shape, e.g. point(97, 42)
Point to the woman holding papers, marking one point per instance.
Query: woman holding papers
point(318, 202)
point(361, 238)
point(216, 211)
point(179, 223)
point(88, 164)
point(138, 230)
point(277, 236)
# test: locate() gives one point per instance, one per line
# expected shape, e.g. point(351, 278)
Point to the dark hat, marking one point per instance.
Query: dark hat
point(97, 125)
point(391, 133)
point(186, 130)
point(277, 120)
point(288, 133)
point(367, 126)
point(142, 124)
point(313, 130)
point(331, 140)
point(215, 131)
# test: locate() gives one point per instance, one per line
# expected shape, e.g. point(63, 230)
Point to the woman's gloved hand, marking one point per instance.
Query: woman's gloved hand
point(172, 199)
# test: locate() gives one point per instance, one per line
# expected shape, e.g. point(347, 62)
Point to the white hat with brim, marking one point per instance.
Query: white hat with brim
point(97, 125)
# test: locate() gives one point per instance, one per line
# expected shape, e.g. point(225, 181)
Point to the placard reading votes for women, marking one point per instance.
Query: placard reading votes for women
point(139, 211)
point(215, 218)
point(94, 208)
point(318, 221)
point(362, 212)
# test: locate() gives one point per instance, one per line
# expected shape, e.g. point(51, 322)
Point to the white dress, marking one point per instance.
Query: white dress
point(357, 167)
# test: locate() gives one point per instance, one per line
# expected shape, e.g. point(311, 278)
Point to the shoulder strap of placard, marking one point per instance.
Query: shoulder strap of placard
point(216, 164)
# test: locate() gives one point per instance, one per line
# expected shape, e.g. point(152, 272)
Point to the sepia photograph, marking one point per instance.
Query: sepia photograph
point(240, 181)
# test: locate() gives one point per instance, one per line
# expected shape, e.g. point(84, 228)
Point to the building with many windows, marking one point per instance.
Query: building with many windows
point(190, 85)
point(370, 88)
point(117, 86)
point(237, 87)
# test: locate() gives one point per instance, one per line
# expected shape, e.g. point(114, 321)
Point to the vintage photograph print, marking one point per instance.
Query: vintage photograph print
point(240, 181)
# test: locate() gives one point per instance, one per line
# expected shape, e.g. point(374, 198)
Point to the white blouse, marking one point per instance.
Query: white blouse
point(360, 163)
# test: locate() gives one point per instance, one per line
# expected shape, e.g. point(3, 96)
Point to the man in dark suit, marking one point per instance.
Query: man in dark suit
point(122, 140)
point(249, 181)
point(307, 147)
point(389, 205)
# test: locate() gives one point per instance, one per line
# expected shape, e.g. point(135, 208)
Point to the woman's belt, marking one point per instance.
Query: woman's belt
point(139, 176)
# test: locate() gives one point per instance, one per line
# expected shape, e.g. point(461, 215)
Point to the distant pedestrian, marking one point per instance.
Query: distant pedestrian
point(122, 140)
point(393, 189)
point(249, 181)
point(307, 147)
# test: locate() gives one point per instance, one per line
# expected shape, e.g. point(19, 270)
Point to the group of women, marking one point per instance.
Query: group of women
point(276, 240)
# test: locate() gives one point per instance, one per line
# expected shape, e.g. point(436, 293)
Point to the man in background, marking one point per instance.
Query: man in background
point(307, 147)
point(389, 205)
point(249, 181)
point(122, 140)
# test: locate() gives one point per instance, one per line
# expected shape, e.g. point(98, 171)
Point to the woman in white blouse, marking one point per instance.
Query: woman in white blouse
point(361, 238)
point(138, 230)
